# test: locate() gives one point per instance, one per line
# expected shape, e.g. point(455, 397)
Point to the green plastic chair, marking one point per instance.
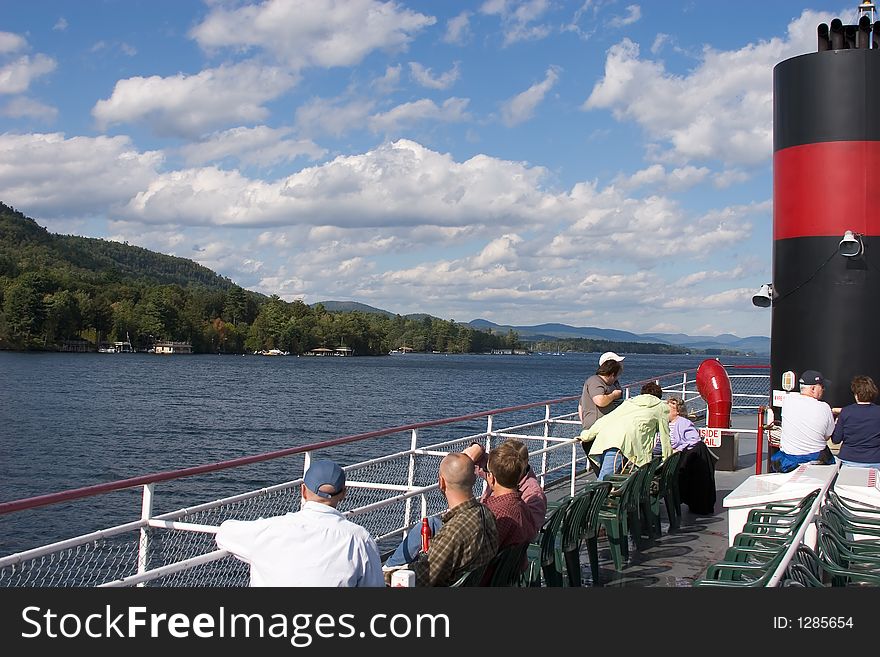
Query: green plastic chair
point(470, 578)
point(639, 516)
point(761, 548)
point(841, 571)
point(832, 497)
point(661, 489)
point(846, 531)
point(614, 517)
point(570, 534)
point(579, 523)
point(783, 514)
point(543, 553)
point(861, 553)
point(506, 567)
point(858, 523)
point(734, 574)
point(590, 526)
point(647, 518)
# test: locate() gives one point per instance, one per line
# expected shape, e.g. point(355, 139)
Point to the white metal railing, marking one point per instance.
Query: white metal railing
point(178, 549)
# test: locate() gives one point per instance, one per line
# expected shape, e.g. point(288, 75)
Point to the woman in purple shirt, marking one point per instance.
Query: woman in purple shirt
point(682, 432)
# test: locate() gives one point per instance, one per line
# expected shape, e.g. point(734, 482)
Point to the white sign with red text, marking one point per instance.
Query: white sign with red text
point(712, 437)
point(778, 396)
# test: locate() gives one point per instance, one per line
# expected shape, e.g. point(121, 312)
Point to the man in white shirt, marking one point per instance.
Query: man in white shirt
point(807, 423)
point(316, 546)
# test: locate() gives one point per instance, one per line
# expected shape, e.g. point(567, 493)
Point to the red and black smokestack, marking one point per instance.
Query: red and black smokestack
point(826, 154)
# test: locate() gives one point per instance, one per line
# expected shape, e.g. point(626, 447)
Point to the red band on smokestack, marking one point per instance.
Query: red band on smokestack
point(821, 190)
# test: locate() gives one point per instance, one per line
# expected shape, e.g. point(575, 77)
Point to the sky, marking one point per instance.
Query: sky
point(591, 162)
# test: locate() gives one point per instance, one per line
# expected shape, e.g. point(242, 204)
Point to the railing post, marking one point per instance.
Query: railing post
point(489, 425)
point(759, 440)
point(307, 461)
point(410, 479)
point(144, 544)
point(546, 436)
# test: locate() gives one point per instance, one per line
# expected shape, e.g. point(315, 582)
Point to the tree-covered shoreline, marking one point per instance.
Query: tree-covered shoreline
point(64, 292)
point(59, 290)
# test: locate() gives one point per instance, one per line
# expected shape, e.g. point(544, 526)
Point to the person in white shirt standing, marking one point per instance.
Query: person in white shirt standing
point(316, 546)
point(807, 423)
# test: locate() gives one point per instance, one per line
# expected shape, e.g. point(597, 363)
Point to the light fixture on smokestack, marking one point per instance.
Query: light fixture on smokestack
point(764, 296)
point(851, 245)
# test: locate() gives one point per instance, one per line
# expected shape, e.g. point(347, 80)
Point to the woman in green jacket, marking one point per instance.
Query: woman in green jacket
point(628, 433)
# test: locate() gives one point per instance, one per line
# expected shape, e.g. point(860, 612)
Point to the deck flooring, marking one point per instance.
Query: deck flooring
point(677, 558)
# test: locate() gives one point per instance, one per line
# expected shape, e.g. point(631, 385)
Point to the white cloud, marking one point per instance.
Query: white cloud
point(397, 184)
point(425, 77)
point(642, 231)
point(10, 42)
point(522, 106)
point(304, 33)
point(500, 251)
point(48, 173)
point(735, 299)
point(453, 110)
point(60, 25)
point(331, 229)
point(633, 14)
point(188, 105)
point(388, 82)
point(16, 76)
point(518, 18)
point(659, 41)
point(676, 180)
point(730, 177)
point(720, 110)
point(688, 281)
point(458, 29)
point(23, 107)
point(332, 116)
point(260, 146)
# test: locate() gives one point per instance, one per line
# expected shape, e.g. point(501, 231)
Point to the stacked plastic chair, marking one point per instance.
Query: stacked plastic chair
point(664, 487)
point(582, 521)
point(848, 542)
point(542, 554)
point(760, 549)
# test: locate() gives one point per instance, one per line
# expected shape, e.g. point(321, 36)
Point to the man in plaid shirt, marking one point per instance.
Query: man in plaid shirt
point(468, 538)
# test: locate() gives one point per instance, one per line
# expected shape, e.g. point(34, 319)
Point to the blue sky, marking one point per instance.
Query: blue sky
point(593, 162)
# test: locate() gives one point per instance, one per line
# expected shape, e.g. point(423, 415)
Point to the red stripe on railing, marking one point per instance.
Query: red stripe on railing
point(97, 489)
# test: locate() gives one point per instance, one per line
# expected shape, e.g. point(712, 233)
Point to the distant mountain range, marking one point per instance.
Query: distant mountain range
point(756, 344)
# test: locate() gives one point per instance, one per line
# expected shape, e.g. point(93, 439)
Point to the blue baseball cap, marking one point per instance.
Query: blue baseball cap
point(813, 378)
point(324, 473)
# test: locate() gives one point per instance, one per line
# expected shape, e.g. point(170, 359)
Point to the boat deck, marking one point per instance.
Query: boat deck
point(676, 558)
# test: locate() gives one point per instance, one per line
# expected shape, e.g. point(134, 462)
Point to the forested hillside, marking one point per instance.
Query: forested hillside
point(66, 292)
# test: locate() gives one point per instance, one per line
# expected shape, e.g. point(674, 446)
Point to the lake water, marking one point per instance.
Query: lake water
point(72, 420)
